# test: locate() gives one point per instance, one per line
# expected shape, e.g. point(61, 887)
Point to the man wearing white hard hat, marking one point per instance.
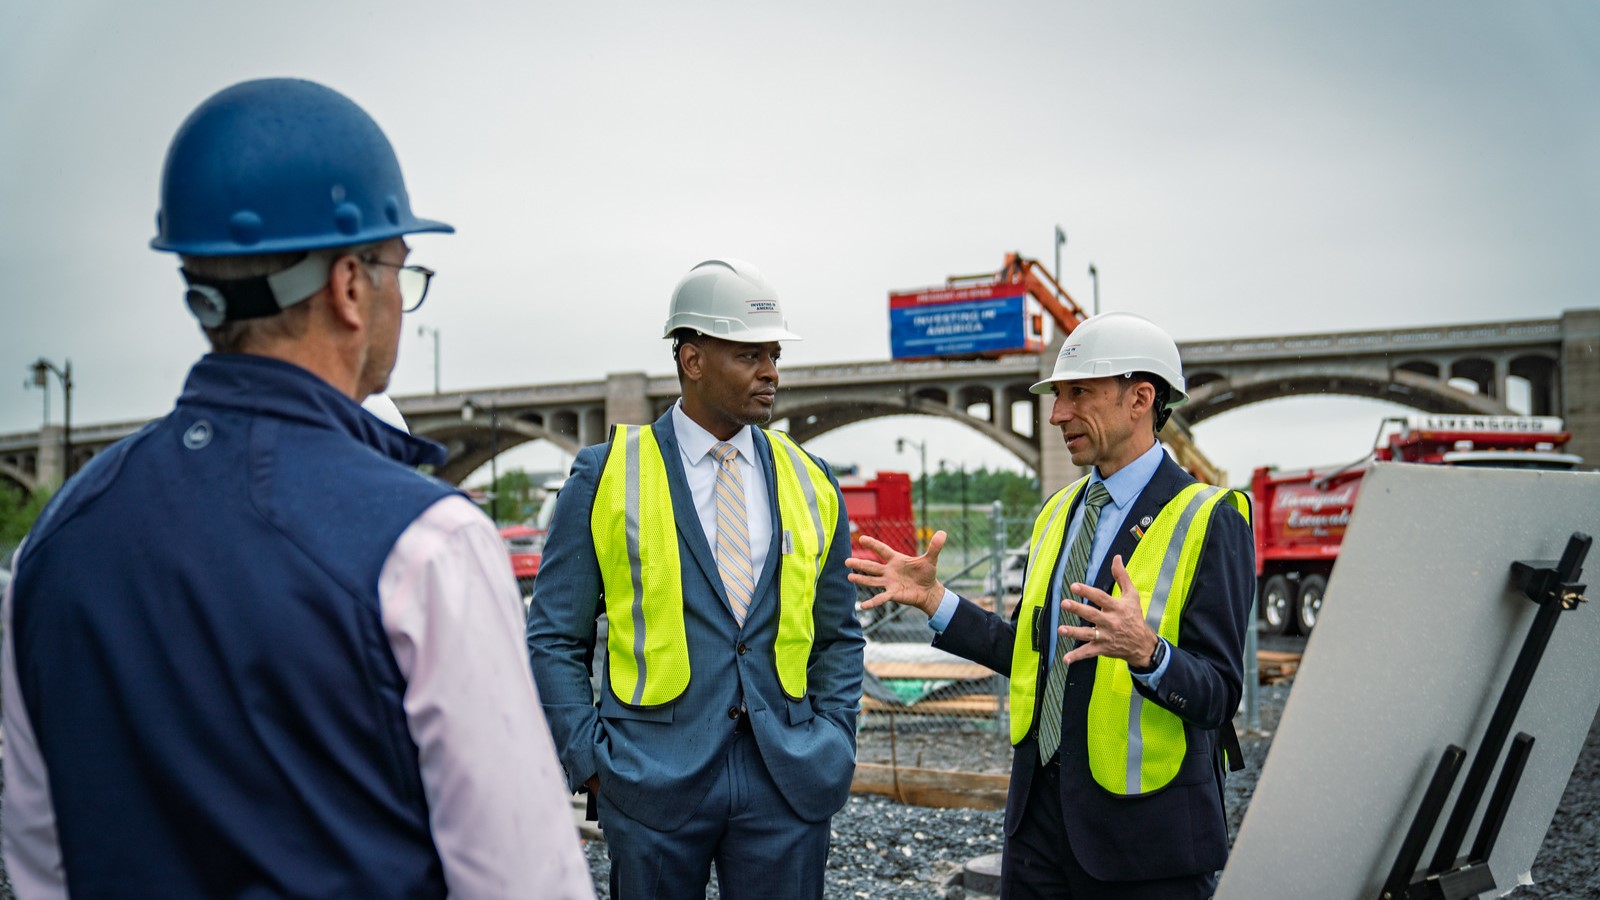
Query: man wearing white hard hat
point(725, 727)
point(1125, 652)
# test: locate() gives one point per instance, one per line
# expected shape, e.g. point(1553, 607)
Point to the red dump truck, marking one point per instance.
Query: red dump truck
point(1300, 516)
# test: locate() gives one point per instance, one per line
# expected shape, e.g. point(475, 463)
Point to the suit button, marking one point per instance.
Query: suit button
point(743, 649)
point(733, 712)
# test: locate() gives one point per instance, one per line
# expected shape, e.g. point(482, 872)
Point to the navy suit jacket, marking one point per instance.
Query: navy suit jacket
point(1180, 830)
point(657, 764)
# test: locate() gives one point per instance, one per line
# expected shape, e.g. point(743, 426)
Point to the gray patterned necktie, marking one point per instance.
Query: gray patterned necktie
point(1077, 563)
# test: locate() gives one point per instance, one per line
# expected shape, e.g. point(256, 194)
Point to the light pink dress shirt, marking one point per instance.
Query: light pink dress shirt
point(500, 815)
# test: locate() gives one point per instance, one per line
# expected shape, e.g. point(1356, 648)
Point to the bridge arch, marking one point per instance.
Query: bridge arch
point(471, 444)
point(812, 420)
point(1403, 386)
point(16, 477)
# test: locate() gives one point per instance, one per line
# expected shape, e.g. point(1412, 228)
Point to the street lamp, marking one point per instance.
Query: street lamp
point(469, 410)
point(424, 331)
point(41, 367)
point(1094, 276)
point(922, 450)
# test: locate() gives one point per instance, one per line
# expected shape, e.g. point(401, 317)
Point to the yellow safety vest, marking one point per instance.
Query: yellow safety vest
point(636, 541)
point(1135, 747)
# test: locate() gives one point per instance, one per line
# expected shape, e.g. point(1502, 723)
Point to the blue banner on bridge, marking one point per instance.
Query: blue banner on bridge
point(975, 327)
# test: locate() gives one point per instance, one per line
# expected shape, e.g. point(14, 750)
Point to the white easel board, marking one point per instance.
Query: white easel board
point(1419, 630)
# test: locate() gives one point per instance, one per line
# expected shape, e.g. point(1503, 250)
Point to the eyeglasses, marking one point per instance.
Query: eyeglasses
point(414, 281)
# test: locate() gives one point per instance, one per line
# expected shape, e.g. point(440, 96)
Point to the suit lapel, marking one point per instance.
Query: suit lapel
point(1168, 480)
point(774, 550)
point(688, 518)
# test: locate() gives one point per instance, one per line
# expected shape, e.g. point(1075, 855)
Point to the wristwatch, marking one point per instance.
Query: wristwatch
point(1157, 656)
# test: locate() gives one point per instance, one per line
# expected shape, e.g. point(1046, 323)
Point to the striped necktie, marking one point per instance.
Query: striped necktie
point(733, 532)
point(1076, 571)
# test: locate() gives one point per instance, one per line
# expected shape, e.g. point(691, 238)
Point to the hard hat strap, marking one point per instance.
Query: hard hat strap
point(1162, 417)
point(215, 301)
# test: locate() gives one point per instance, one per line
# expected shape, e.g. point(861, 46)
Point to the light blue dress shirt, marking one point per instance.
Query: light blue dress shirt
point(1124, 486)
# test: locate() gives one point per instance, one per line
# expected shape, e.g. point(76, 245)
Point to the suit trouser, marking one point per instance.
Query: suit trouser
point(1037, 862)
point(762, 850)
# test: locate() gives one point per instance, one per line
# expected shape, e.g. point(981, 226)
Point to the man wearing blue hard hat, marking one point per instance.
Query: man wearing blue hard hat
point(292, 664)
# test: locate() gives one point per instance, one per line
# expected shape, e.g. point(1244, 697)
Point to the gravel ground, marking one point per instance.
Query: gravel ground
point(882, 849)
point(885, 851)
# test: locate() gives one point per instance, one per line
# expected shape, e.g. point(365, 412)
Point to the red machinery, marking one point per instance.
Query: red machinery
point(525, 545)
point(996, 314)
point(1300, 517)
point(880, 507)
point(981, 316)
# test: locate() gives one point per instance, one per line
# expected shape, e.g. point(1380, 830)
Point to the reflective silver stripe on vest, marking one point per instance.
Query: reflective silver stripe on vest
point(1033, 551)
point(804, 475)
point(635, 567)
point(1158, 607)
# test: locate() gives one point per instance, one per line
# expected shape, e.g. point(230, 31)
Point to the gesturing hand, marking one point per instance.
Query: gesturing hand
point(911, 580)
point(1116, 629)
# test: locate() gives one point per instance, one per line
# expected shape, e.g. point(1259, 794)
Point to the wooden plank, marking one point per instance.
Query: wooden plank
point(981, 705)
point(929, 671)
point(932, 787)
point(1277, 656)
point(1276, 666)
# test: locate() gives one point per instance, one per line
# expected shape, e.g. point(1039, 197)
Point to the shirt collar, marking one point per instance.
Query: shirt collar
point(1129, 481)
point(696, 442)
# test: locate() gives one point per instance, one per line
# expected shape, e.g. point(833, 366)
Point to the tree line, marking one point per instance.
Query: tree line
point(981, 487)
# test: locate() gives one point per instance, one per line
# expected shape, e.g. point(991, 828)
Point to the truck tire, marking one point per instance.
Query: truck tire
point(1309, 607)
point(1277, 605)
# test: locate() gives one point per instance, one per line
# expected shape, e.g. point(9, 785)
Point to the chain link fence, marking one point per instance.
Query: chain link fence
point(922, 707)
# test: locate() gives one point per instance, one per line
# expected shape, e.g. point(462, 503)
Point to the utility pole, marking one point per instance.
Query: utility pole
point(1061, 240)
point(470, 410)
point(494, 459)
point(922, 451)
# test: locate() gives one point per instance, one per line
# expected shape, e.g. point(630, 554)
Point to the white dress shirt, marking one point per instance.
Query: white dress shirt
point(700, 470)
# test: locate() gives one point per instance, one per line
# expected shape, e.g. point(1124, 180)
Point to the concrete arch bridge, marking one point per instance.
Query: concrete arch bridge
point(1556, 361)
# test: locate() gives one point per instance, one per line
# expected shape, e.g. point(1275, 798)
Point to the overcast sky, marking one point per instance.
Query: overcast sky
point(1231, 169)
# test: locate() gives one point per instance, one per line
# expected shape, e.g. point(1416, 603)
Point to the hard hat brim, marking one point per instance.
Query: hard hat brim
point(1176, 397)
point(296, 244)
point(746, 336)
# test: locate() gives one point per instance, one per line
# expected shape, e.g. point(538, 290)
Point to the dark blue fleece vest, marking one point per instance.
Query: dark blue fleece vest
point(199, 644)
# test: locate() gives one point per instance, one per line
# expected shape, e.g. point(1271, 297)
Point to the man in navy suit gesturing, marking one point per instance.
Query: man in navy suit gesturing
point(1124, 654)
point(725, 726)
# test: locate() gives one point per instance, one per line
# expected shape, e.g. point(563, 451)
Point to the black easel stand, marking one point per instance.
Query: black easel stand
point(1553, 586)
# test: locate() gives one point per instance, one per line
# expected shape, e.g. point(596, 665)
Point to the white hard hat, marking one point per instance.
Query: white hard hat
point(381, 406)
point(1118, 343)
point(728, 299)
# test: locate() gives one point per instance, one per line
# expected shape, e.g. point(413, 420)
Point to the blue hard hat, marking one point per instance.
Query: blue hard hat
point(280, 165)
